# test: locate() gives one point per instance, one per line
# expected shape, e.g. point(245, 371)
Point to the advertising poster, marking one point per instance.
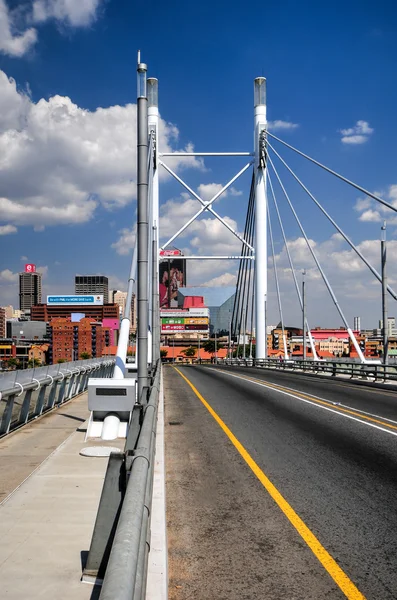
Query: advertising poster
point(172, 273)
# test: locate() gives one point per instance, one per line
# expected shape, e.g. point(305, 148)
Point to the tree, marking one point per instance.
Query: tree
point(190, 351)
point(34, 362)
point(13, 363)
point(163, 353)
point(209, 346)
point(85, 355)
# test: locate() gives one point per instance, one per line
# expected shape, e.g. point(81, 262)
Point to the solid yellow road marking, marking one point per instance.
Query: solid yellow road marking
point(313, 399)
point(329, 564)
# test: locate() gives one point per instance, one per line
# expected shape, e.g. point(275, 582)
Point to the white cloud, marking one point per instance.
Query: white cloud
point(370, 215)
point(77, 13)
point(359, 134)
point(207, 191)
point(279, 125)
point(233, 192)
point(13, 42)
point(226, 279)
point(126, 241)
point(356, 289)
point(7, 229)
point(59, 161)
point(7, 276)
point(373, 211)
point(17, 38)
point(354, 139)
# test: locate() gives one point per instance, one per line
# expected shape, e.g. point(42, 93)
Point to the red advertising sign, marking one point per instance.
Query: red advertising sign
point(29, 268)
point(172, 328)
point(170, 252)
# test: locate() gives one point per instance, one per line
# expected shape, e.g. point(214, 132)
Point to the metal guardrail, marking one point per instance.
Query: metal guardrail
point(27, 394)
point(371, 372)
point(126, 572)
point(118, 555)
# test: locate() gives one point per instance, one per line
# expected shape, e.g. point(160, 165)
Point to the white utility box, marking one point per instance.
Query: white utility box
point(110, 401)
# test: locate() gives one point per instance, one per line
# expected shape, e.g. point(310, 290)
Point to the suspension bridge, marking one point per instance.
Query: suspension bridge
point(279, 475)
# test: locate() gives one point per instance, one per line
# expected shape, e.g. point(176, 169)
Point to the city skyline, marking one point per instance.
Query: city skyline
point(68, 195)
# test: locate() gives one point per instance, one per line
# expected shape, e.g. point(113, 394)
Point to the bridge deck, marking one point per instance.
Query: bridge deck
point(46, 523)
point(300, 504)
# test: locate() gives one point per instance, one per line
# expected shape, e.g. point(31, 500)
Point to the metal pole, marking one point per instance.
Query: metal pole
point(244, 332)
point(304, 314)
point(155, 301)
point(142, 230)
point(384, 296)
point(153, 128)
point(122, 346)
point(260, 216)
point(230, 337)
point(216, 355)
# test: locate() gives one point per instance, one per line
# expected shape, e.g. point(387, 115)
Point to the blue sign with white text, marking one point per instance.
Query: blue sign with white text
point(96, 299)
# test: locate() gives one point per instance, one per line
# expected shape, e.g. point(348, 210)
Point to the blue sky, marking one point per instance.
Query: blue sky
point(67, 167)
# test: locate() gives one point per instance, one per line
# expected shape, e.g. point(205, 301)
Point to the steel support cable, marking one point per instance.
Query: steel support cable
point(277, 284)
point(236, 302)
point(251, 285)
point(323, 275)
point(252, 306)
point(243, 277)
point(249, 265)
point(243, 251)
point(243, 280)
point(316, 162)
point(246, 302)
point(312, 344)
point(343, 234)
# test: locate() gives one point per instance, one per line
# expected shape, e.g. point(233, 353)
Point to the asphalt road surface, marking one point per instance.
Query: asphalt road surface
point(279, 486)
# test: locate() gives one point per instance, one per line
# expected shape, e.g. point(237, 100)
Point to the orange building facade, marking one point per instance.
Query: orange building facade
point(72, 339)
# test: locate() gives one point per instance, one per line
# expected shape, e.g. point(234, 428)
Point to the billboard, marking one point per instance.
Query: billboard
point(87, 299)
point(173, 252)
point(29, 268)
point(190, 312)
point(172, 275)
point(169, 328)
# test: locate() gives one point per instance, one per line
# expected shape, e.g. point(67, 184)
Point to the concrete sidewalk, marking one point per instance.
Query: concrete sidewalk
point(47, 523)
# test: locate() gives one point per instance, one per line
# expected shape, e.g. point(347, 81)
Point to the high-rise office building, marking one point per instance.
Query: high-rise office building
point(2, 322)
point(92, 284)
point(118, 297)
point(29, 290)
point(357, 324)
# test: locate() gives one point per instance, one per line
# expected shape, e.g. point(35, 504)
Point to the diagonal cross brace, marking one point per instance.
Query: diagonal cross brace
point(207, 205)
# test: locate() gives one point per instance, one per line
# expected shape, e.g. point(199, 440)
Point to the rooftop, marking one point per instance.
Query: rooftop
point(213, 296)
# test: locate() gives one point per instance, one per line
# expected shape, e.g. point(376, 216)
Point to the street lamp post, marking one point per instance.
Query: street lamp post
point(384, 296)
point(304, 314)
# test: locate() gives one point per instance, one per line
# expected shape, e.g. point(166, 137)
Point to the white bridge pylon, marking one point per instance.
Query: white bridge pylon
point(256, 252)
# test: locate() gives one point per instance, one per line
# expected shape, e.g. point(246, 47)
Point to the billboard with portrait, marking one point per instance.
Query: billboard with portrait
point(172, 274)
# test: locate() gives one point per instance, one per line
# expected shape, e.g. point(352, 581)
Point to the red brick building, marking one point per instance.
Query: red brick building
point(44, 312)
point(69, 340)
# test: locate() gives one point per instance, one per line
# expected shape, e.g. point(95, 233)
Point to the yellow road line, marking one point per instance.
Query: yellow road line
point(313, 399)
point(330, 565)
